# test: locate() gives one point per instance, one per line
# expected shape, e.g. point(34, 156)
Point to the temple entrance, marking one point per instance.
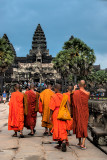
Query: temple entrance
point(37, 80)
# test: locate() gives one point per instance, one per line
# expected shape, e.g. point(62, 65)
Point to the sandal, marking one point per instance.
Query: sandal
point(45, 133)
point(83, 147)
point(31, 134)
point(58, 147)
point(34, 131)
point(14, 135)
point(21, 136)
point(50, 134)
point(78, 145)
point(64, 147)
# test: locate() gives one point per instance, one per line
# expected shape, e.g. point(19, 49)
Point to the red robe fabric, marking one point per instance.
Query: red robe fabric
point(30, 118)
point(16, 112)
point(80, 114)
point(69, 122)
point(59, 127)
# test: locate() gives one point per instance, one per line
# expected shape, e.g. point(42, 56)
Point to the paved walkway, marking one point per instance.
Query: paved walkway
point(39, 147)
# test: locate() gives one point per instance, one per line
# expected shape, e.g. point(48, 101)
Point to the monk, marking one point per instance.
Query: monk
point(81, 113)
point(16, 112)
point(69, 122)
point(44, 100)
point(59, 126)
point(32, 103)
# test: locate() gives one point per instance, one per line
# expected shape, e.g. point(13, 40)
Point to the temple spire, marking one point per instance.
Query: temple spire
point(39, 39)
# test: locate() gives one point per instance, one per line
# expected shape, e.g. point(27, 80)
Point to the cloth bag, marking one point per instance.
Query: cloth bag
point(63, 110)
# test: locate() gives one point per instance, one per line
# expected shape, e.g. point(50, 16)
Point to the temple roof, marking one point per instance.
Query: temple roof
point(96, 67)
point(39, 39)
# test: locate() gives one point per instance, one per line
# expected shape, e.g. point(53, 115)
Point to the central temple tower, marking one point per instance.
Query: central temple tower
point(39, 51)
point(39, 40)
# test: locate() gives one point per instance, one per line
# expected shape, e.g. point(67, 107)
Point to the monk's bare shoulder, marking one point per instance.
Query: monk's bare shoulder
point(88, 93)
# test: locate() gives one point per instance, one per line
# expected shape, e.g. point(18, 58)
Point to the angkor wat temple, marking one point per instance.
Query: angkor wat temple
point(37, 66)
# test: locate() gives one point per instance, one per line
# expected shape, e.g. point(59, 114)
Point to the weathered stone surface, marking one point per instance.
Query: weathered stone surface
point(41, 148)
point(98, 121)
point(37, 65)
point(6, 154)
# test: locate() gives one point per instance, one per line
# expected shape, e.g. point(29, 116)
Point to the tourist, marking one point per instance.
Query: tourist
point(16, 112)
point(4, 96)
point(32, 102)
point(81, 113)
point(28, 84)
point(25, 84)
point(45, 110)
point(59, 126)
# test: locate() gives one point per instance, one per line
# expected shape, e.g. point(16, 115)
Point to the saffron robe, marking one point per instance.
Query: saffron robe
point(16, 112)
point(80, 114)
point(44, 100)
point(30, 118)
point(69, 122)
point(59, 127)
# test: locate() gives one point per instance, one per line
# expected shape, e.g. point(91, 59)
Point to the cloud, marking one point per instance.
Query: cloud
point(102, 60)
point(85, 19)
point(17, 48)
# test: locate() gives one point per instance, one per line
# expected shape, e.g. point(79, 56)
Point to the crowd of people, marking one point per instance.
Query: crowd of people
point(61, 112)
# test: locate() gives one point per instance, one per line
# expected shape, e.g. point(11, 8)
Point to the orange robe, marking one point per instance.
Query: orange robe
point(16, 112)
point(30, 118)
point(69, 122)
point(80, 114)
point(44, 100)
point(59, 127)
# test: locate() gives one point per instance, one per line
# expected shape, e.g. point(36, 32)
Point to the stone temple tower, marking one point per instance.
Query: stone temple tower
point(39, 40)
point(39, 51)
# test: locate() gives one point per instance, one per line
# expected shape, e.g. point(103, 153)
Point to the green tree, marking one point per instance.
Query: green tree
point(98, 77)
point(76, 58)
point(6, 58)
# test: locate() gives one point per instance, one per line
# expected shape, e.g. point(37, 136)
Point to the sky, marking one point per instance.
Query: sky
point(84, 19)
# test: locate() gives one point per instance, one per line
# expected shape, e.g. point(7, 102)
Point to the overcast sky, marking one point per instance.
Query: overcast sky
point(85, 19)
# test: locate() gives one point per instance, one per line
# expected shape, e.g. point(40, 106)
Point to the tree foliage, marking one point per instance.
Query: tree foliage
point(98, 77)
point(6, 55)
point(76, 58)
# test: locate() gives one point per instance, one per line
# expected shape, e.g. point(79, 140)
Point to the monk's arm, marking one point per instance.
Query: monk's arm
point(40, 106)
point(68, 105)
point(52, 107)
point(51, 113)
point(75, 87)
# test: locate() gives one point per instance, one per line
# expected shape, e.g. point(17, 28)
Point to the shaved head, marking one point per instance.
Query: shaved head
point(49, 86)
point(82, 84)
point(58, 88)
point(17, 87)
point(32, 86)
point(70, 88)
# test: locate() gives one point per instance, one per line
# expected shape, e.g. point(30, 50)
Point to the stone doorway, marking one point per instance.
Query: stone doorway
point(37, 80)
